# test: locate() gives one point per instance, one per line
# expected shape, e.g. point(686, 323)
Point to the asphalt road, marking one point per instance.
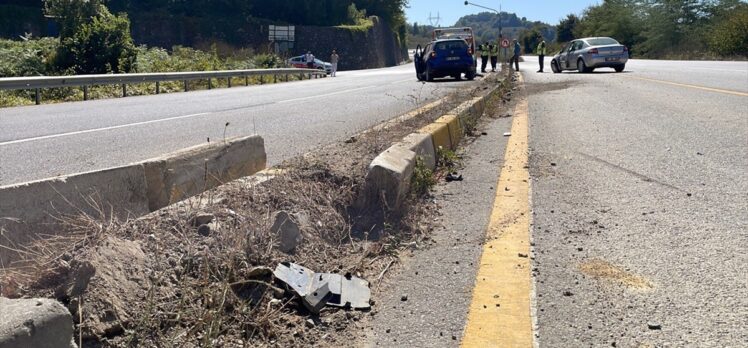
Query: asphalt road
point(43, 141)
point(640, 200)
point(639, 196)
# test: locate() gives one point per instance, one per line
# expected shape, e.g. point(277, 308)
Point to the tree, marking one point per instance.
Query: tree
point(565, 29)
point(618, 19)
point(730, 35)
point(92, 40)
point(71, 14)
point(530, 39)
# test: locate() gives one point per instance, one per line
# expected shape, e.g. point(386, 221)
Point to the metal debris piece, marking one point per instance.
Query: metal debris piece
point(317, 298)
point(508, 134)
point(330, 288)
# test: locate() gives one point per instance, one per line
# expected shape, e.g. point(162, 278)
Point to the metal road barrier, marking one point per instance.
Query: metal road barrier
point(38, 82)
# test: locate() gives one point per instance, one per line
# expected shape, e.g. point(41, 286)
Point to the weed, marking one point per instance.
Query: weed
point(423, 178)
point(447, 159)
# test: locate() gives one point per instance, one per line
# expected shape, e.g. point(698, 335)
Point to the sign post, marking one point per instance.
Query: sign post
point(504, 45)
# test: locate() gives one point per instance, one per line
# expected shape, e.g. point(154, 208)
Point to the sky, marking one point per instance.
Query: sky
point(549, 11)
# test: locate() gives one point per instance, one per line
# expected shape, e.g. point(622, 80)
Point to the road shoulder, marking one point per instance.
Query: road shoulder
point(425, 301)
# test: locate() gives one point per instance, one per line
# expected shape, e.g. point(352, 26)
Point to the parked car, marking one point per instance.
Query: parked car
point(588, 54)
point(444, 57)
point(300, 62)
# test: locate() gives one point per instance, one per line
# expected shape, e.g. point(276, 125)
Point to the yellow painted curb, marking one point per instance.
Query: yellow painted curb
point(439, 134)
point(499, 314)
point(453, 124)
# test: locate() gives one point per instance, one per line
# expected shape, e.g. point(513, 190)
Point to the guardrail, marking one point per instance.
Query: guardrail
point(38, 82)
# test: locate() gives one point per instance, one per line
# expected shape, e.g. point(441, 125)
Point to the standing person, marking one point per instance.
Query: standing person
point(309, 58)
point(515, 57)
point(493, 52)
point(540, 51)
point(483, 56)
point(334, 62)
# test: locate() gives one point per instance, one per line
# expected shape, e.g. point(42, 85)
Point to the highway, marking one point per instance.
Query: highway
point(43, 141)
point(638, 232)
point(639, 195)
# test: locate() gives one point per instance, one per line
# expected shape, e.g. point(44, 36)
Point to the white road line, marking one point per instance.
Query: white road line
point(323, 95)
point(52, 136)
point(401, 81)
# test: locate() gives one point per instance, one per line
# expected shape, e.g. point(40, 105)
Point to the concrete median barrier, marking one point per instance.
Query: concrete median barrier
point(177, 176)
point(454, 128)
point(388, 178)
point(390, 173)
point(38, 323)
point(33, 208)
point(439, 135)
point(423, 146)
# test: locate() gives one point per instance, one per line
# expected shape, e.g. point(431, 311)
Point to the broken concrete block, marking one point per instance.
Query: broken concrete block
point(39, 323)
point(388, 179)
point(287, 230)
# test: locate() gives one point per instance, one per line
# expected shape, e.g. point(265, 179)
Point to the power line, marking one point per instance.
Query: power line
point(434, 21)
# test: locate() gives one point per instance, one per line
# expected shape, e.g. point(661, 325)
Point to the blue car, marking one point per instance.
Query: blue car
point(445, 57)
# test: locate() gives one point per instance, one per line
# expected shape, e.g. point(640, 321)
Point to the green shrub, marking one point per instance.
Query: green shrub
point(267, 61)
point(27, 57)
point(423, 178)
point(102, 46)
point(730, 36)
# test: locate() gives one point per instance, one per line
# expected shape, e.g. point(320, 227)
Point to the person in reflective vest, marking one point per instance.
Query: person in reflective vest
point(493, 52)
point(540, 51)
point(483, 49)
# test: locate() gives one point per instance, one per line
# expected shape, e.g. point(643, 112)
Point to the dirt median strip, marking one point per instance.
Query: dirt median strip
point(186, 273)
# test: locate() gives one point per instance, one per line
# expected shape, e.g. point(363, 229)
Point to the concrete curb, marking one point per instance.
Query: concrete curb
point(390, 173)
point(31, 208)
point(41, 323)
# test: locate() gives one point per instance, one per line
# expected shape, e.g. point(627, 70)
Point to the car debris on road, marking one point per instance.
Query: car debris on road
point(319, 289)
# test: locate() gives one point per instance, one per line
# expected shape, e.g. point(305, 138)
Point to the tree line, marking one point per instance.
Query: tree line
point(666, 28)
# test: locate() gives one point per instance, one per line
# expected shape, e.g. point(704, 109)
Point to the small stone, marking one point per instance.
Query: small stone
point(580, 249)
point(310, 323)
point(351, 140)
point(522, 255)
point(287, 230)
point(553, 164)
point(454, 338)
point(568, 293)
point(275, 302)
point(654, 326)
point(203, 230)
point(404, 298)
point(387, 331)
point(688, 194)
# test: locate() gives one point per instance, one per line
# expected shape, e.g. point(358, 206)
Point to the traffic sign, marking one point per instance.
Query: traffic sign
point(505, 43)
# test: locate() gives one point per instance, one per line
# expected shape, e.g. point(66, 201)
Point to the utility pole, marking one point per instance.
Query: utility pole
point(501, 33)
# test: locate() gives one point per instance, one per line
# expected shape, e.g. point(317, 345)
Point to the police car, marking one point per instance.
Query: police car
point(300, 62)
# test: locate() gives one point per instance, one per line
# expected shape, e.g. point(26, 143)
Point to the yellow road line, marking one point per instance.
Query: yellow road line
point(499, 313)
point(718, 90)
